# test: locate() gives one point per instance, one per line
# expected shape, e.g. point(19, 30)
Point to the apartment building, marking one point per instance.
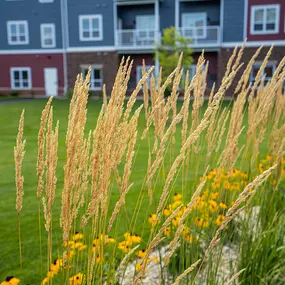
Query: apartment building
point(44, 44)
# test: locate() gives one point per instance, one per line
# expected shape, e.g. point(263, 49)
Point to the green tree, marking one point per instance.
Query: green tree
point(168, 52)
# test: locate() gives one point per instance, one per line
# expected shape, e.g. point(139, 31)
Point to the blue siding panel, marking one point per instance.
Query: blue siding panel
point(90, 7)
point(233, 20)
point(167, 14)
point(35, 13)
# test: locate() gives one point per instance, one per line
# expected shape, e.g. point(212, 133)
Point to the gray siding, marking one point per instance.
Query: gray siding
point(233, 20)
point(167, 14)
point(212, 8)
point(89, 7)
point(35, 13)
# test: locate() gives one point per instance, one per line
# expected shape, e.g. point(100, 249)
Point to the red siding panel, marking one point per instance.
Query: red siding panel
point(37, 63)
point(272, 37)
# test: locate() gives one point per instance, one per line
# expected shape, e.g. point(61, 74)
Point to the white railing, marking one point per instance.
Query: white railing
point(136, 38)
point(207, 35)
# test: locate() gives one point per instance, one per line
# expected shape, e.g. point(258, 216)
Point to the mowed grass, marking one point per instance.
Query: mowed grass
point(9, 117)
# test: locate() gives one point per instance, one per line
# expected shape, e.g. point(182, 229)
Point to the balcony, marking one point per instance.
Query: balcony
point(204, 36)
point(137, 38)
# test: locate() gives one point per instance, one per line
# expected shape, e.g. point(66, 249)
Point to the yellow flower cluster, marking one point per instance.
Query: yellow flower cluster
point(11, 280)
point(130, 240)
point(150, 259)
point(75, 243)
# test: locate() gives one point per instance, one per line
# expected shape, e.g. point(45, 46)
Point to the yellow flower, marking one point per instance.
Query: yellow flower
point(219, 220)
point(136, 239)
point(167, 211)
point(152, 219)
point(99, 259)
point(176, 204)
point(223, 205)
point(213, 206)
point(44, 281)
point(111, 240)
point(214, 195)
point(124, 246)
point(188, 238)
point(81, 248)
point(70, 244)
point(11, 280)
point(78, 244)
point(180, 212)
point(77, 236)
point(177, 197)
point(175, 221)
point(138, 266)
point(200, 222)
point(141, 253)
point(167, 231)
point(76, 279)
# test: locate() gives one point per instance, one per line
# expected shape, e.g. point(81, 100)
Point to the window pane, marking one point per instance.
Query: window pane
point(95, 24)
point(16, 75)
point(48, 42)
point(96, 74)
point(255, 70)
point(25, 83)
point(259, 15)
point(48, 32)
point(270, 27)
point(95, 34)
point(97, 84)
point(13, 28)
point(22, 38)
point(25, 74)
point(17, 83)
point(258, 27)
point(271, 14)
point(199, 23)
point(85, 24)
point(22, 29)
point(86, 34)
point(14, 38)
point(269, 71)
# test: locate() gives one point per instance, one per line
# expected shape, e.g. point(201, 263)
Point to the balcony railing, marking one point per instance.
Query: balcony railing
point(136, 38)
point(207, 35)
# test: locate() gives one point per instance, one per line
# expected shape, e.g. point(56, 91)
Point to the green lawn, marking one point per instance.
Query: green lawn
point(10, 113)
point(9, 117)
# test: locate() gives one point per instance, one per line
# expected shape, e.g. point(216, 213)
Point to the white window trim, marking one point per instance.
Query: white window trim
point(46, 1)
point(89, 17)
point(259, 64)
point(257, 7)
point(52, 26)
point(94, 66)
point(12, 69)
point(10, 42)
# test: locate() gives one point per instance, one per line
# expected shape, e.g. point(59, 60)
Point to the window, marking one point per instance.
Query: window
point(21, 78)
point(267, 72)
point(194, 25)
point(145, 29)
point(139, 73)
point(48, 35)
point(96, 79)
point(90, 28)
point(17, 32)
point(265, 19)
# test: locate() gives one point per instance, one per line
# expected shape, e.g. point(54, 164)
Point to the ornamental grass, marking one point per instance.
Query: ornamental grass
point(210, 209)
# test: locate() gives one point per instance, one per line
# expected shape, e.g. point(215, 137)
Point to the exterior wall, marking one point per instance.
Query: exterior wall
point(137, 60)
point(233, 20)
point(167, 14)
point(109, 60)
point(272, 37)
point(212, 8)
point(128, 14)
point(277, 55)
point(35, 13)
point(212, 58)
point(88, 7)
point(37, 63)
